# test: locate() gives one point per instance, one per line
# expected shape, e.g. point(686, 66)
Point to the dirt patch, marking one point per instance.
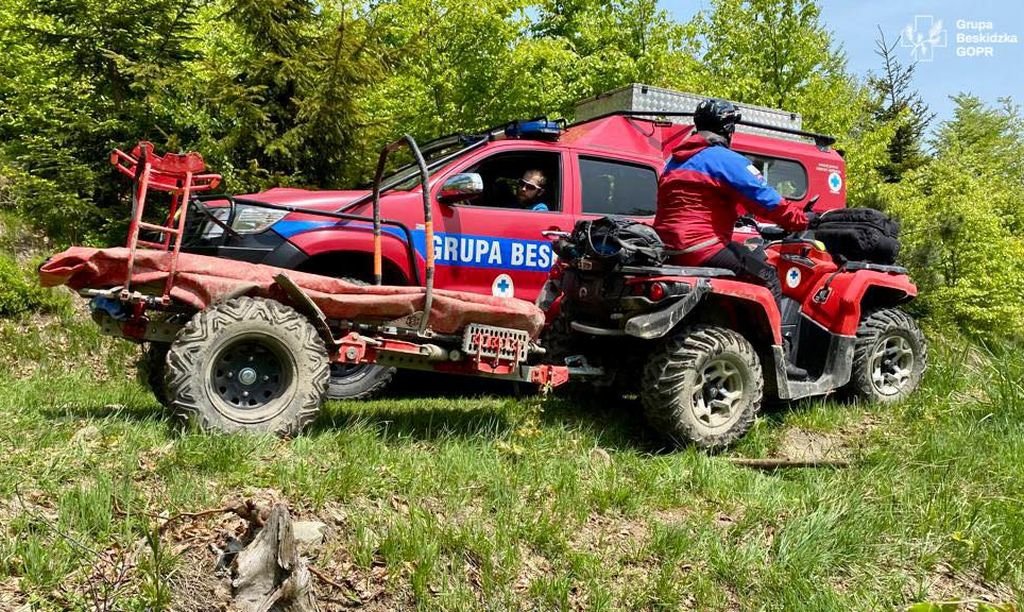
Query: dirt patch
point(533, 566)
point(610, 535)
point(945, 583)
point(812, 446)
point(197, 584)
point(202, 581)
point(34, 503)
point(672, 516)
point(11, 595)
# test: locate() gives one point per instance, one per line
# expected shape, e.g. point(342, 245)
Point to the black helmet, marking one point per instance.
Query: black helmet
point(716, 116)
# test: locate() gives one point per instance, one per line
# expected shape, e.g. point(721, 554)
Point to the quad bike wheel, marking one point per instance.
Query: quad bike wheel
point(704, 386)
point(248, 364)
point(151, 368)
point(889, 357)
point(358, 381)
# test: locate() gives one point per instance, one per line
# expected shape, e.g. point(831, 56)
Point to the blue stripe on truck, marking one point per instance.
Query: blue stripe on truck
point(453, 249)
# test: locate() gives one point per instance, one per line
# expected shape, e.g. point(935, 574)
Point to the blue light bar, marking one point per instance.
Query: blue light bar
point(539, 129)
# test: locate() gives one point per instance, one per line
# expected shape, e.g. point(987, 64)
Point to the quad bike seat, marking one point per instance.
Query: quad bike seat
point(677, 271)
point(200, 281)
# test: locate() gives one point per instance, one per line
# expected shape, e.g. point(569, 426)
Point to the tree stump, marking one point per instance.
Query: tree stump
point(270, 576)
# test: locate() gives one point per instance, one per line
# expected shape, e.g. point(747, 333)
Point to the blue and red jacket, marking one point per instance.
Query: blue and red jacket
point(700, 194)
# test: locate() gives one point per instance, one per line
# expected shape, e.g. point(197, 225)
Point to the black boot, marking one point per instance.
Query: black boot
point(793, 371)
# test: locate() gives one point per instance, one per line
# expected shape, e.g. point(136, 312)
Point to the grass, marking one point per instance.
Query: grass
point(452, 494)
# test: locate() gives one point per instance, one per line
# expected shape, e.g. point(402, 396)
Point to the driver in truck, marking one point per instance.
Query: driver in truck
point(700, 192)
point(529, 190)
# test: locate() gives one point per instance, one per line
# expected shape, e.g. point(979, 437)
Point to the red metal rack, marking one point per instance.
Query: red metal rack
point(180, 176)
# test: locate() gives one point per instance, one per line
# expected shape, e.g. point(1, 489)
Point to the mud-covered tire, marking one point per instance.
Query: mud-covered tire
point(247, 364)
point(151, 368)
point(889, 356)
point(358, 382)
point(679, 393)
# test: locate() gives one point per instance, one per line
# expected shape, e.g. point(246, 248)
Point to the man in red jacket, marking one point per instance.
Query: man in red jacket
point(700, 193)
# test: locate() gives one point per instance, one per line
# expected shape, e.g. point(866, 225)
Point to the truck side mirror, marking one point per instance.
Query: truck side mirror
point(460, 187)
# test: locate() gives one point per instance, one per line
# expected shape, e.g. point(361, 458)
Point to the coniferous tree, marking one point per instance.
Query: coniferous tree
point(899, 104)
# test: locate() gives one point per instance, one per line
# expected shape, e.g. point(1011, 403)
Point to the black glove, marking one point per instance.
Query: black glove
point(746, 221)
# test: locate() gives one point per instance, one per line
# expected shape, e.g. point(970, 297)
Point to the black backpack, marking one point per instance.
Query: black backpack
point(618, 241)
point(859, 234)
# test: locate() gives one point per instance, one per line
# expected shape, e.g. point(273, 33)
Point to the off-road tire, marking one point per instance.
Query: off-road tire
point(151, 368)
point(358, 382)
point(674, 389)
point(247, 339)
point(893, 335)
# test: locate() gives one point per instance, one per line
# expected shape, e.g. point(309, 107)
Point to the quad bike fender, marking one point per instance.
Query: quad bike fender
point(657, 324)
point(334, 240)
point(751, 305)
point(838, 303)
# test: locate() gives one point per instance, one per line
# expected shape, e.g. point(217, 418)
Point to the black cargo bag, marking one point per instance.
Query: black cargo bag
point(859, 234)
point(619, 241)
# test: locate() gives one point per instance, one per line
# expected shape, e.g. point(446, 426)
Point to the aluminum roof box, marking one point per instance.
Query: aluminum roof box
point(637, 98)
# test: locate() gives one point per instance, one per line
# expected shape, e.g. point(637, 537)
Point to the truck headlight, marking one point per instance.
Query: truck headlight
point(253, 219)
point(248, 220)
point(211, 229)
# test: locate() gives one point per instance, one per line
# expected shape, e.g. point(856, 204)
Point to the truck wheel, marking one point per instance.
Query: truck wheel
point(703, 386)
point(248, 364)
point(889, 356)
point(360, 381)
point(151, 368)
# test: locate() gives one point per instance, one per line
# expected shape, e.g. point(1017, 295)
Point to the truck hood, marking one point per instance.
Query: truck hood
point(307, 198)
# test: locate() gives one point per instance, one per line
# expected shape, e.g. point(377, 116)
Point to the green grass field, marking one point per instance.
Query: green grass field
point(456, 495)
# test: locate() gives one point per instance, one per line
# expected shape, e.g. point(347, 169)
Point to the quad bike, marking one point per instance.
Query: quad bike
point(702, 349)
point(247, 347)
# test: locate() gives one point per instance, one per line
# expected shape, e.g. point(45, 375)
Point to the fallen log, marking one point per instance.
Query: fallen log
point(775, 463)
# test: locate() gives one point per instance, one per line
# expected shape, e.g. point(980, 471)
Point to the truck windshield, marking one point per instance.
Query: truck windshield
point(435, 153)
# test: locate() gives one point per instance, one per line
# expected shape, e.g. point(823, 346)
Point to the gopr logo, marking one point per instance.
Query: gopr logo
point(835, 182)
point(793, 278)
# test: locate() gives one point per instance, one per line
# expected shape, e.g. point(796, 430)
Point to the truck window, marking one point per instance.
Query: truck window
point(786, 176)
point(504, 173)
point(617, 188)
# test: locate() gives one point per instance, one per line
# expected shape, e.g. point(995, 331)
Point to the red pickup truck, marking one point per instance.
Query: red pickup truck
point(484, 242)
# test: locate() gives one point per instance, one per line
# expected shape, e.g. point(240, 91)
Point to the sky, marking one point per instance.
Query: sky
point(956, 55)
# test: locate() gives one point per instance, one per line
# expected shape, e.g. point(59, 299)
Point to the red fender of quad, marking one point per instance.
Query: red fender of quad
point(850, 292)
point(336, 240)
point(758, 299)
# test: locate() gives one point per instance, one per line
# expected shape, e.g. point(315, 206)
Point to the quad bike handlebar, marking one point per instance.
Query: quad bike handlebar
point(772, 233)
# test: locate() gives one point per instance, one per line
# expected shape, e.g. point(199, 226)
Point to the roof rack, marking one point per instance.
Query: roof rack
point(820, 140)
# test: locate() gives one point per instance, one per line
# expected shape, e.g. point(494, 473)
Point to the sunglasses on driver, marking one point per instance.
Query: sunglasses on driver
point(525, 184)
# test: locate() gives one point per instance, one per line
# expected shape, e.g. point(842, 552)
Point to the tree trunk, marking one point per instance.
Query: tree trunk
point(270, 576)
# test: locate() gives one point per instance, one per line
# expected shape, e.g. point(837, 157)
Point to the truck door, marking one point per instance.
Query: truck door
point(492, 244)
